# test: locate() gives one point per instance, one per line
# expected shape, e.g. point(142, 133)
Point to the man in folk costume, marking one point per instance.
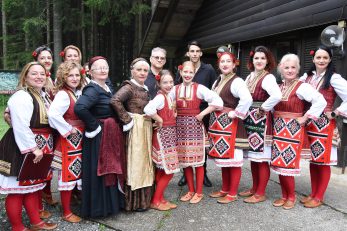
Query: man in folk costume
point(323, 133)
point(205, 75)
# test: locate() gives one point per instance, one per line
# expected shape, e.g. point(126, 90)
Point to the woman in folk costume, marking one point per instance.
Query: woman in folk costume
point(129, 102)
point(44, 56)
point(190, 129)
point(103, 157)
point(71, 53)
point(30, 133)
point(289, 121)
point(164, 150)
point(258, 123)
point(227, 133)
point(322, 133)
point(68, 151)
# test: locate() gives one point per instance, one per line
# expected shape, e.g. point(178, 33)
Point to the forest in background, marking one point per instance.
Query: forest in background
point(98, 27)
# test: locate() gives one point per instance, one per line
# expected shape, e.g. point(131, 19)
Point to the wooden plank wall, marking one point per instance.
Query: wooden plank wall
point(225, 21)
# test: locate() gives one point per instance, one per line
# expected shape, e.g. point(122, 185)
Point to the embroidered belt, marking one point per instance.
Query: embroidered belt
point(42, 130)
point(288, 115)
point(257, 103)
point(169, 123)
point(227, 109)
point(192, 112)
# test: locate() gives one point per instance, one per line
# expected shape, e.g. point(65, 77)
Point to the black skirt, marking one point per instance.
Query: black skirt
point(98, 200)
point(11, 158)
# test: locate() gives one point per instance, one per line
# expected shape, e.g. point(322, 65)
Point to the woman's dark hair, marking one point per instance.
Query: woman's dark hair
point(271, 64)
point(330, 68)
point(39, 50)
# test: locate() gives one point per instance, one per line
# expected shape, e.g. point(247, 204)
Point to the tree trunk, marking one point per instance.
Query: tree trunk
point(57, 31)
point(94, 33)
point(92, 46)
point(84, 48)
point(48, 19)
point(26, 33)
point(4, 36)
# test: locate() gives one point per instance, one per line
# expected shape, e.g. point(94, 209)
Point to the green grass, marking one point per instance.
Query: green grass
point(3, 125)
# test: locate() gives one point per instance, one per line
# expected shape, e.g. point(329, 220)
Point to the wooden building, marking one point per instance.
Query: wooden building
point(285, 26)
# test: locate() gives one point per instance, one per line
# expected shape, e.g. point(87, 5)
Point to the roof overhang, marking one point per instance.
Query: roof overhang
point(168, 25)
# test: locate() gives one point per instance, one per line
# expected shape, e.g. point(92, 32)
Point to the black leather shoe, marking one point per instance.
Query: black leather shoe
point(182, 181)
point(141, 210)
point(207, 181)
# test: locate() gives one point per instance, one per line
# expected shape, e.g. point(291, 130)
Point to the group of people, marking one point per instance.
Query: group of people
point(122, 148)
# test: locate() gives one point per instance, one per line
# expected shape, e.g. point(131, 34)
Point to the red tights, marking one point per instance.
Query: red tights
point(288, 187)
point(39, 200)
point(231, 179)
point(320, 177)
point(13, 205)
point(47, 189)
point(199, 175)
point(260, 176)
point(65, 197)
point(162, 180)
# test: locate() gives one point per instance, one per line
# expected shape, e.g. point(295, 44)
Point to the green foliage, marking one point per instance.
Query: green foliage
point(140, 8)
point(120, 10)
point(25, 23)
point(3, 125)
point(107, 27)
point(12, 5)
point(32, 24)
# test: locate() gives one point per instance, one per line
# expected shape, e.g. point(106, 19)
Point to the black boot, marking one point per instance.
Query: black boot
point(183, 181)
point(207, 181)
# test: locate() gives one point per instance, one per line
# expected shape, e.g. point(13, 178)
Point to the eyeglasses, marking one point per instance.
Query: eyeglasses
point(158, 58)
point(101, 69)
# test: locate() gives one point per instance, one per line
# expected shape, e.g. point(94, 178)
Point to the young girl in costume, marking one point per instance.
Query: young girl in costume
point(190, 129)
point(68, 152)
point(164, 150)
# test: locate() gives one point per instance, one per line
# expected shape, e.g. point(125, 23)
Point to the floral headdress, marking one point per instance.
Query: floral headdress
point(62, 54)
point(312, 52)
point(34, 54)
point(83, 71)
point(251, 53)
point(180, 67)
point(157, 77)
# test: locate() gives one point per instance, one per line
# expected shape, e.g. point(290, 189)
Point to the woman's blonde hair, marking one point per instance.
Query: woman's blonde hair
point(73, 48)
point(188, 63)
point(63, 72)
point(286, 58)
point(22, 83)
